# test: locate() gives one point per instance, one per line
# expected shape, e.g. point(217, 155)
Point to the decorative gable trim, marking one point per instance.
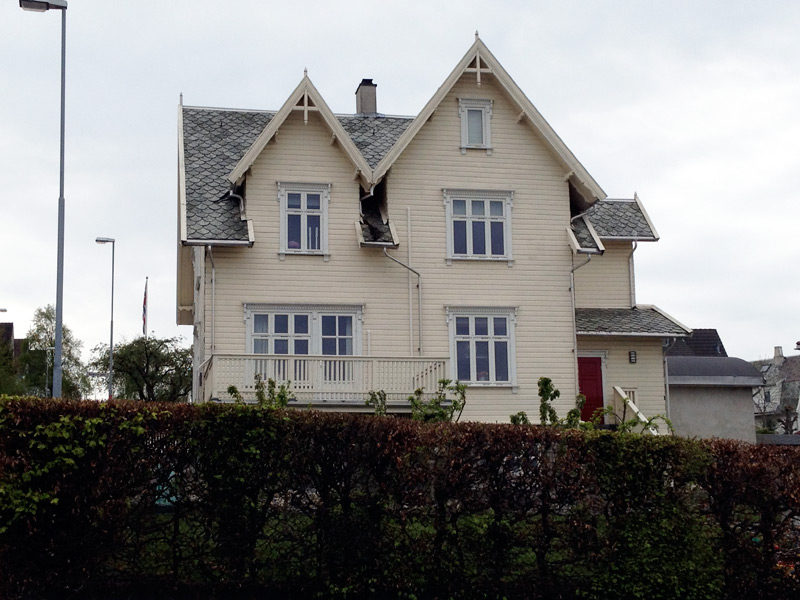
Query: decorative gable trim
point(306, 98)
point(479, 59)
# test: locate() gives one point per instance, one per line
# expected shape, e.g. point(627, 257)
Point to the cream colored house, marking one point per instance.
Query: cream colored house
point(358, 252)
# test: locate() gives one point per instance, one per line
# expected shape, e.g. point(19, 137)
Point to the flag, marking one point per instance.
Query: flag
point(144, 309)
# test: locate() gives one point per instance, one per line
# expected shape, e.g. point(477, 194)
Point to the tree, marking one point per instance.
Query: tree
point(148, 368)
point(36, 358)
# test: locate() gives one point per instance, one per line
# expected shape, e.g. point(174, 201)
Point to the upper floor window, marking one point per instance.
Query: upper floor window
point(478, 224)
point(476, 120)
point(304, 218)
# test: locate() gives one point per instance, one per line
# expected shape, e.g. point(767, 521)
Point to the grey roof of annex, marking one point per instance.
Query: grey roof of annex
point(637, 321)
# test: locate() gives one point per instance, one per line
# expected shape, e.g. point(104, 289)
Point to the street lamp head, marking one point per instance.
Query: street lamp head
point(105, 240)
point(42, 6)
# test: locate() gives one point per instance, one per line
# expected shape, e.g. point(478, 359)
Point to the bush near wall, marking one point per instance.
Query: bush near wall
point(132, 500)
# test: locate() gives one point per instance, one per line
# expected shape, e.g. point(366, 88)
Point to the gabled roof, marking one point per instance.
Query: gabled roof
point(212, 142)
point(305, 98)
point(639, 321)
point(479, 60)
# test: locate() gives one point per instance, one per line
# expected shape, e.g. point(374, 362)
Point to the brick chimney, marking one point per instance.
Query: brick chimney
point(366, 101)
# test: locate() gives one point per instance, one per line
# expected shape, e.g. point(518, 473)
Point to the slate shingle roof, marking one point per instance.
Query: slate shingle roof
point(213, 142)
point(638, 321)
point(215, 139)
point(583, 235)
point(374, 135)
point(619, 219)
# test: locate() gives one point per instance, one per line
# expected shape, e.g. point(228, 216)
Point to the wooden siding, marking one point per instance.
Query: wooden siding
point(646, 376)
point(537, 282)
point(606, 281)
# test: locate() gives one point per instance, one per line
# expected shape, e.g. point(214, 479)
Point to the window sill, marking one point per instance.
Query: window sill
point(488, 149)
point(283, 253)
point(467, 258)
point(499, 385)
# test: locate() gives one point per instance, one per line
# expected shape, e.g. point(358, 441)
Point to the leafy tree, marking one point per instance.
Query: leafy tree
point(439, 408)
point(148, 368)
point(36, 358)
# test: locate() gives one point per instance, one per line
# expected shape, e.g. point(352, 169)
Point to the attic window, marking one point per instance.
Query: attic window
point(476, 119)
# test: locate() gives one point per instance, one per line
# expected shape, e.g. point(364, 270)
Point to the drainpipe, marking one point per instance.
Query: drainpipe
point(632, 275)
point(419, 297)
point(213, 296)
point(574, 324)
point(666, 380)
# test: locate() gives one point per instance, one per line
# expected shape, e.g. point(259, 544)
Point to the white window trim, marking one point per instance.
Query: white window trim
point(507, 197)
point(485, 106)
point(509, 312)
point(315, 312)
point(324, 190)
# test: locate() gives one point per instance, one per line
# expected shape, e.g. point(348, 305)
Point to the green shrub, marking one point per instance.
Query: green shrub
point(163, 500)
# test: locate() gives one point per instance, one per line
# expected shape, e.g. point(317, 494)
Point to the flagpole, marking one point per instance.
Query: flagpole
point(144, 309)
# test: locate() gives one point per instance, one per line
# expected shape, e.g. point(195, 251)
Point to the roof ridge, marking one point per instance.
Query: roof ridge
point(227, 109)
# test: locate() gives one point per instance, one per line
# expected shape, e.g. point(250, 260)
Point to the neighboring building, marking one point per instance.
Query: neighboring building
point(712, 396)
point(358, 252)
point(781, 393)
point(702, 342)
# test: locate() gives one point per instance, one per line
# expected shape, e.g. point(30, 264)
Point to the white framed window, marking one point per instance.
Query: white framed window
point(304, 218)
point(483, 345)
point(303, 329)
point(478, 224)
point(476, 124)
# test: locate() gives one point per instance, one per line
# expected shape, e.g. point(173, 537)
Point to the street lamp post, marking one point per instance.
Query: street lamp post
point(40, 6)
point(113, 242)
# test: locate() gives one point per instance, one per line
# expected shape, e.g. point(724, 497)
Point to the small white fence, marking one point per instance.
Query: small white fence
point(324, 379)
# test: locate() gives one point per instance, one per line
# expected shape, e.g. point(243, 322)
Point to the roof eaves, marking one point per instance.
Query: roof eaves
point(628, 333)
point(230, 243)
point(646, 216)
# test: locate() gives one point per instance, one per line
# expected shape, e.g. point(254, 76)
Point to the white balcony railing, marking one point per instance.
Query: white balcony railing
point(324, 379)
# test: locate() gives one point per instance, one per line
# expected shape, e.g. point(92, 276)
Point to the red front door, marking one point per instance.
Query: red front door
point(590, 383)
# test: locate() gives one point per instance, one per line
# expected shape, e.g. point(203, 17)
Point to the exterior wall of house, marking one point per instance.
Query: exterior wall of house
point(707, 411)
point(303, 153)
point(537, 282)
point(645, 377)
point(605, 282)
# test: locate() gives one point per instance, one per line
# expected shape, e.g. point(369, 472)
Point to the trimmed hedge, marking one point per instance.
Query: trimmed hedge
point(135, 500)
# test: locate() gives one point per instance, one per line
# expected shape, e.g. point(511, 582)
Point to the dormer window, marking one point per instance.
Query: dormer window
point(476, 119)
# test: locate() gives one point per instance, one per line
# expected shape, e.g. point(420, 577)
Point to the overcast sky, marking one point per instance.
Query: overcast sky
point(694, 105)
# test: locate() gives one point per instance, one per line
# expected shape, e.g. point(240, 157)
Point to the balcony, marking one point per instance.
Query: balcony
point(324, 380)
